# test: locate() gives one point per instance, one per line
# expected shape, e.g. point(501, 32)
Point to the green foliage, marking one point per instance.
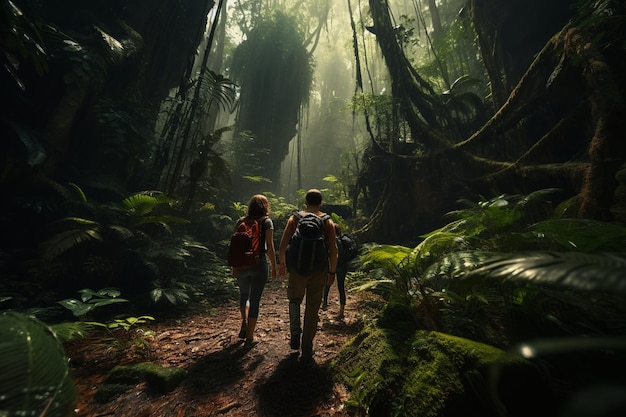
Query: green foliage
point(185, 118)
point(118, 222)
point(338, 220)
point(142, 204)
point(581, 235)
point(21, 42)
point(68, 331)
point(217, 89)
point(256, 179)
point(568, 270)
point(280, 209)
point(74, 231)
point(386, 256)
point(178, 293)
point(248, 154)
point(101, 243)
point(90, 300)
point(35, 377)
point(125, 324)
point(389, 273)
point(464, 106)
point(180, 260)
point(487, 260)
point(360, 385)
point(337, 192)
point(127, 334)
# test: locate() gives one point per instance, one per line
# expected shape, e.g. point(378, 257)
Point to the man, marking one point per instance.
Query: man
point(310, 285)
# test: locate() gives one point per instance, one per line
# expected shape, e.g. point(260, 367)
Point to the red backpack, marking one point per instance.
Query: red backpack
point(245, 243)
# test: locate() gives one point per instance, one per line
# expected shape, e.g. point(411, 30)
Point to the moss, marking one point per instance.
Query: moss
point(428, 374)
point(157, 377)
point(371, 367)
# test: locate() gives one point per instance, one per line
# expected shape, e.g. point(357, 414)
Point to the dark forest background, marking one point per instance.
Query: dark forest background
point(133, 133)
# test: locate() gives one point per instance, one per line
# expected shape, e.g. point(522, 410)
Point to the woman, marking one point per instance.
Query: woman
point(252, 280)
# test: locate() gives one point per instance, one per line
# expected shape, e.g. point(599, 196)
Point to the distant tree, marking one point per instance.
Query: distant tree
point(274, 71)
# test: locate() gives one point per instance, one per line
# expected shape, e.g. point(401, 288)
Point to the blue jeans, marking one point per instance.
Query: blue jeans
point(251, 284)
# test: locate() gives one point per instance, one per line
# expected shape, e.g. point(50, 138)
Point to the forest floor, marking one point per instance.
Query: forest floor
point(224, 378)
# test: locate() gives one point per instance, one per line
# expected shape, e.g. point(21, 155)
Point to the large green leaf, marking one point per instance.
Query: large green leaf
point(35, 379)
point(583, 235)
point(74, 232)
point(581, 271)
point(142, 203)
point(384, 256)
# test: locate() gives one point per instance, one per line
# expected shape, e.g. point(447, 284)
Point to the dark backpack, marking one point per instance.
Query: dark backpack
point(307, 252)
point(348, 249)
point(246, 243)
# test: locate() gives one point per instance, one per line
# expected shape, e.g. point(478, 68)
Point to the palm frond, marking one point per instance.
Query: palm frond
point(583, 235)
point(121, 231)
point(69, 331)
point(79, 191)
point(255, 178)
point(456, 264)
point(439, 243)
point(142, 203)
point(384, 256)
point(382, 286)
point(77, 231)
point(580, 271)
point(220, 89)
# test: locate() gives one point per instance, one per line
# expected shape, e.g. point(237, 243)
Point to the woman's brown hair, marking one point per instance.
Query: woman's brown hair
point(258, 206)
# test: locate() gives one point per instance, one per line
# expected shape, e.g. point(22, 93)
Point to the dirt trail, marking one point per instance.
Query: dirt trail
point(224, 378)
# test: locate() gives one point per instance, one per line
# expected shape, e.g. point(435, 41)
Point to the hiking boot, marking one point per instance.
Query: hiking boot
point(307, 359)
point(242, 331)
point(295, 342)
point(249, 344)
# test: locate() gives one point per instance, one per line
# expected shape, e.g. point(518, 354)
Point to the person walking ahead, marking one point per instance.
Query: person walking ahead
point(252, 281)
point(347, 250)
point(308, 280)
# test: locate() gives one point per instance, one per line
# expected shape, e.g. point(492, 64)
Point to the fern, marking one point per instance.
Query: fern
point(142, 203)
point(387, 256)
point(75, 231)
point(582, 235)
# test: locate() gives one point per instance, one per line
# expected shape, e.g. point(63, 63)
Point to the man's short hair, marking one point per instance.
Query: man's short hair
point(313, 197)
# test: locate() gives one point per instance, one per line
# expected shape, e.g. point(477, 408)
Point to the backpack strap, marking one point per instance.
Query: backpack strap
point(325, 218)
point(261, 222)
